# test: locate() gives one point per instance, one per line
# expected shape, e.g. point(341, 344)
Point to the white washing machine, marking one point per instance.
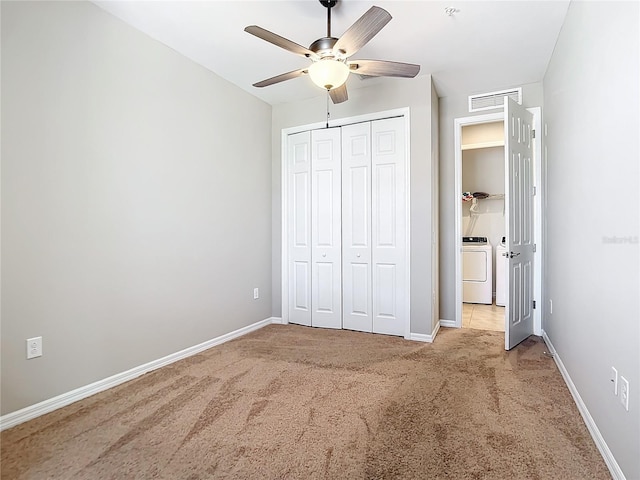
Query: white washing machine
point(477, 271)
point(502, 263)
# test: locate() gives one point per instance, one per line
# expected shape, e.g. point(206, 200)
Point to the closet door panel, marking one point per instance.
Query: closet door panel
point(301, 298)
point(360, 305)
point(324, 206)
point(325, 279)
point(386, 283)
point(385, 189)
point(357, 196)
point(356, 227)
point(389, 206)
point(326, 265)
point(299, 228)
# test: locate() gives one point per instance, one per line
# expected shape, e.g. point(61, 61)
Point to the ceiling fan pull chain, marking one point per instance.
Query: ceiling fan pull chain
point(327, 108)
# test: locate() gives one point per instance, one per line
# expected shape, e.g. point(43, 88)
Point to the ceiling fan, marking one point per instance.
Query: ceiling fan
point(330, 65)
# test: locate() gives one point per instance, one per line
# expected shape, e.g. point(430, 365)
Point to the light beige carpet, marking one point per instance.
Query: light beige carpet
point(304, 403)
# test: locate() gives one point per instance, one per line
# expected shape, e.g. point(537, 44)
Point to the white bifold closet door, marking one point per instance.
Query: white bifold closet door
point(389, 206)
point(299, 228)
point(374, 226)
point(356, 229)
point(347, 227)
point(326, 229)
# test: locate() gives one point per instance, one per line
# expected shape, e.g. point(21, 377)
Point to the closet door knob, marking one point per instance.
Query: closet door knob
point(324, 254)
point(358, 255)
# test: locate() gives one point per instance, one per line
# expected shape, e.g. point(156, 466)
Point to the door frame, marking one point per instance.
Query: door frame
point(339, 122)
point(537, 221)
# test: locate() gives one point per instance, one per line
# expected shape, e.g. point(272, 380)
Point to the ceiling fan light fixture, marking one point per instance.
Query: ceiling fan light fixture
point(329, 73)
point(330, 56)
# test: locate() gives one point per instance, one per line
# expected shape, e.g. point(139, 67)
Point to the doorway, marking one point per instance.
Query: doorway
point(467, 227)
point(483, 226)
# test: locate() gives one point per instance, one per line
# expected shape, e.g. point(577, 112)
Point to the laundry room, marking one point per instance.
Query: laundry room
point(483, 225)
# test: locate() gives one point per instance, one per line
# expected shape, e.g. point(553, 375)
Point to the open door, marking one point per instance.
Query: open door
point(518, 148)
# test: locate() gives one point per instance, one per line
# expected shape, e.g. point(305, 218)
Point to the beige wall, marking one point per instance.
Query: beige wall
point(136, 200)
point(395, 93)
point(592, 100)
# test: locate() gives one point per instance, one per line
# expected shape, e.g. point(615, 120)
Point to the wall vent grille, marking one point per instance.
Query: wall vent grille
point(493, 100)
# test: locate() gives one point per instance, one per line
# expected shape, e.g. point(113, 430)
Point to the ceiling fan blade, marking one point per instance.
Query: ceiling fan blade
point(339, 95)
point(383, 68)
point(363, 30)
point(279, 41)
point(281, 78)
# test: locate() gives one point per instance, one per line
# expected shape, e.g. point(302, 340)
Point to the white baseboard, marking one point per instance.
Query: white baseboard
point(421, 337)
point(277, 320)
point(448, 323)
point(29, 413)
point(609, 459)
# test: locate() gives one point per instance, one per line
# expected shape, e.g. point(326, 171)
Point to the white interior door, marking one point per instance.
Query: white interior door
point(299, 228)
point(388, 226)
point(326, 231)
point(520, 238)
point(356, 227)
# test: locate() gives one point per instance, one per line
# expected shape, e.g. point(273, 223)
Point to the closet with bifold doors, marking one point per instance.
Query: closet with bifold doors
point(346, 236)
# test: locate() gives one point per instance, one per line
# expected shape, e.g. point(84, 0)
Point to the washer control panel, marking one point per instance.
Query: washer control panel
point(475, 240)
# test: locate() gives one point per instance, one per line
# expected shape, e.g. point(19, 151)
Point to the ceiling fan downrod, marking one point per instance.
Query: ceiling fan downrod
point(329, 4)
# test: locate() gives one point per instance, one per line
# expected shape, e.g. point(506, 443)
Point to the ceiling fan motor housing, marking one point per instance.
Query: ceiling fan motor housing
point(324, 46)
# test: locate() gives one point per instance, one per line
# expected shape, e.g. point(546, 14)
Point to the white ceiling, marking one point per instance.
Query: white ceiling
point(484, 46)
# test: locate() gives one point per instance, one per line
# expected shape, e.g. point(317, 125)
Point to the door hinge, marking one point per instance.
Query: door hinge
point(534, 304)
point(534, 191)
point(534, 247)
point(534, 133)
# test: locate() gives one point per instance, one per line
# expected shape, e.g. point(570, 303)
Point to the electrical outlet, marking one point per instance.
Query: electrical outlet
point(256, 293)
point(34, 347)
point(624, 392)
point(614, 380)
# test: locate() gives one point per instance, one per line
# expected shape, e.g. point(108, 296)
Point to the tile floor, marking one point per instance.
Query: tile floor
point(483, 317)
